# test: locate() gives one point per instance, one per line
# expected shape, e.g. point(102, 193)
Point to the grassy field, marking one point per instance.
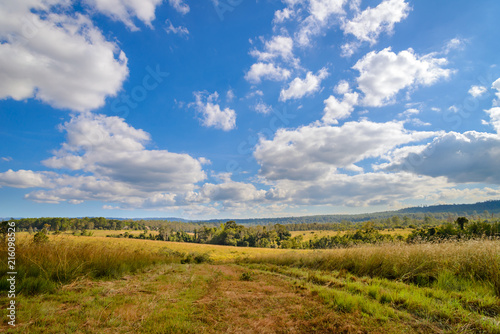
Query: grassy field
point(107, 285)
point(308, 235)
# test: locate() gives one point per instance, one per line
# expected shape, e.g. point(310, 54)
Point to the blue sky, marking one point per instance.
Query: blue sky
point(244, 108)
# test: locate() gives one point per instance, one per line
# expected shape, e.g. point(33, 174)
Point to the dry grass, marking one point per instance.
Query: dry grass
point(309, 235)
point(42, 267)
point(217, 253)
point(420, 263)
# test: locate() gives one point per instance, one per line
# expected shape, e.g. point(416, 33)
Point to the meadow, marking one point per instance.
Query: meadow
point(82, 284)
point(309, 235)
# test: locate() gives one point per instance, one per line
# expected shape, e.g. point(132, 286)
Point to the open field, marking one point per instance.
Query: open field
point(308, 235)
point(108, 285)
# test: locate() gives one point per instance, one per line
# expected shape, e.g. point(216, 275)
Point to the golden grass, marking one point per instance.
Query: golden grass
point(477, 260)
point(216, 252)
point(309, 235)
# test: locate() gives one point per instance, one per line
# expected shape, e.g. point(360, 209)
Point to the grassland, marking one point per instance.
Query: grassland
point(309, 235)
point(106, 285)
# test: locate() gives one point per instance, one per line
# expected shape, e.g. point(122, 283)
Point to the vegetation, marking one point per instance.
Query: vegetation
point(94, 284)
point(43, 265)
point(278, 236)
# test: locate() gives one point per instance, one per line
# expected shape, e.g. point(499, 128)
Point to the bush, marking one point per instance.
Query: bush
point(246, 276)
point(40, 237)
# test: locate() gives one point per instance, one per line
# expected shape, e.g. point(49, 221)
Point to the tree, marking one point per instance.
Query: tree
point(461, 221)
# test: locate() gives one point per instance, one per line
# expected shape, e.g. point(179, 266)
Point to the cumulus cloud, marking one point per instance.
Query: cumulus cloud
point(263, 108)
point(278, 46)
point(211, 113)
point(299, 88)
point(494, 114)
point(336, 109)
point(462, 158)
point(62, 60)
point(110, 163)
point(314, 152)
point(358, 190)
point(22, 179)
point(383, 74)
point(477, 91)
point(108, 147)
point(496, 85)
point(370, 23)
point(180, 6)
point(126, 10)
point(266, 71)
point(320, 16)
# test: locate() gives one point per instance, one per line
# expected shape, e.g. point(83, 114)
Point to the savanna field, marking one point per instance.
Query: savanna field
point(77, 284)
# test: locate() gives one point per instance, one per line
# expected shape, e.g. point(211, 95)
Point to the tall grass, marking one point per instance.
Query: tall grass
point(422, 264)
point(42, 267)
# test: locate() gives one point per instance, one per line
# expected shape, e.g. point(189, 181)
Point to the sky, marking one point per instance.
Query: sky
point(243, 108)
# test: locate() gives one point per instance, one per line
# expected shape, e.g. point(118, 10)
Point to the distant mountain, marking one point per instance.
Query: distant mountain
point(464, 209)
point(438, 211)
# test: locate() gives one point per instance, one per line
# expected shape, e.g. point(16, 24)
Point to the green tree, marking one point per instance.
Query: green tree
point(461, 222)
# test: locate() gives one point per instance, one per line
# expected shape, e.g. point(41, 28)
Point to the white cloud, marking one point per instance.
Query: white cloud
point(370, 23)
point(494, 114)
point(313, 152)
point(125, 10)
point(115, 167)
point(299, 88)
point(263, 108)
point(383, 74)
point(231, 191)
point(110, 149)
point(335, 109)
point(320, 15)
point(62, 60)
point(230, 95)
point(281, 16)
point(496, 85)
point(477, 91)
point(418, 122)
point(409, 112)
point(278, 46)
point(180, 6)
point(212, 115)
point(180, 30)
point(260, 71)
point(6, 159)
point(462, 158)
point(454, 44)
point(22, 179)
point(357, 190)
point(342, 87)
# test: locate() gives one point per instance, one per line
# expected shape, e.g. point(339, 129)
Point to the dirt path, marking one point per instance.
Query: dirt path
point(188, 298)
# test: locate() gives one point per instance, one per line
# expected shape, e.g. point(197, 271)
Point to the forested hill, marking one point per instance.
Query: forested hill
point(483, 209)
point(461, 209)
